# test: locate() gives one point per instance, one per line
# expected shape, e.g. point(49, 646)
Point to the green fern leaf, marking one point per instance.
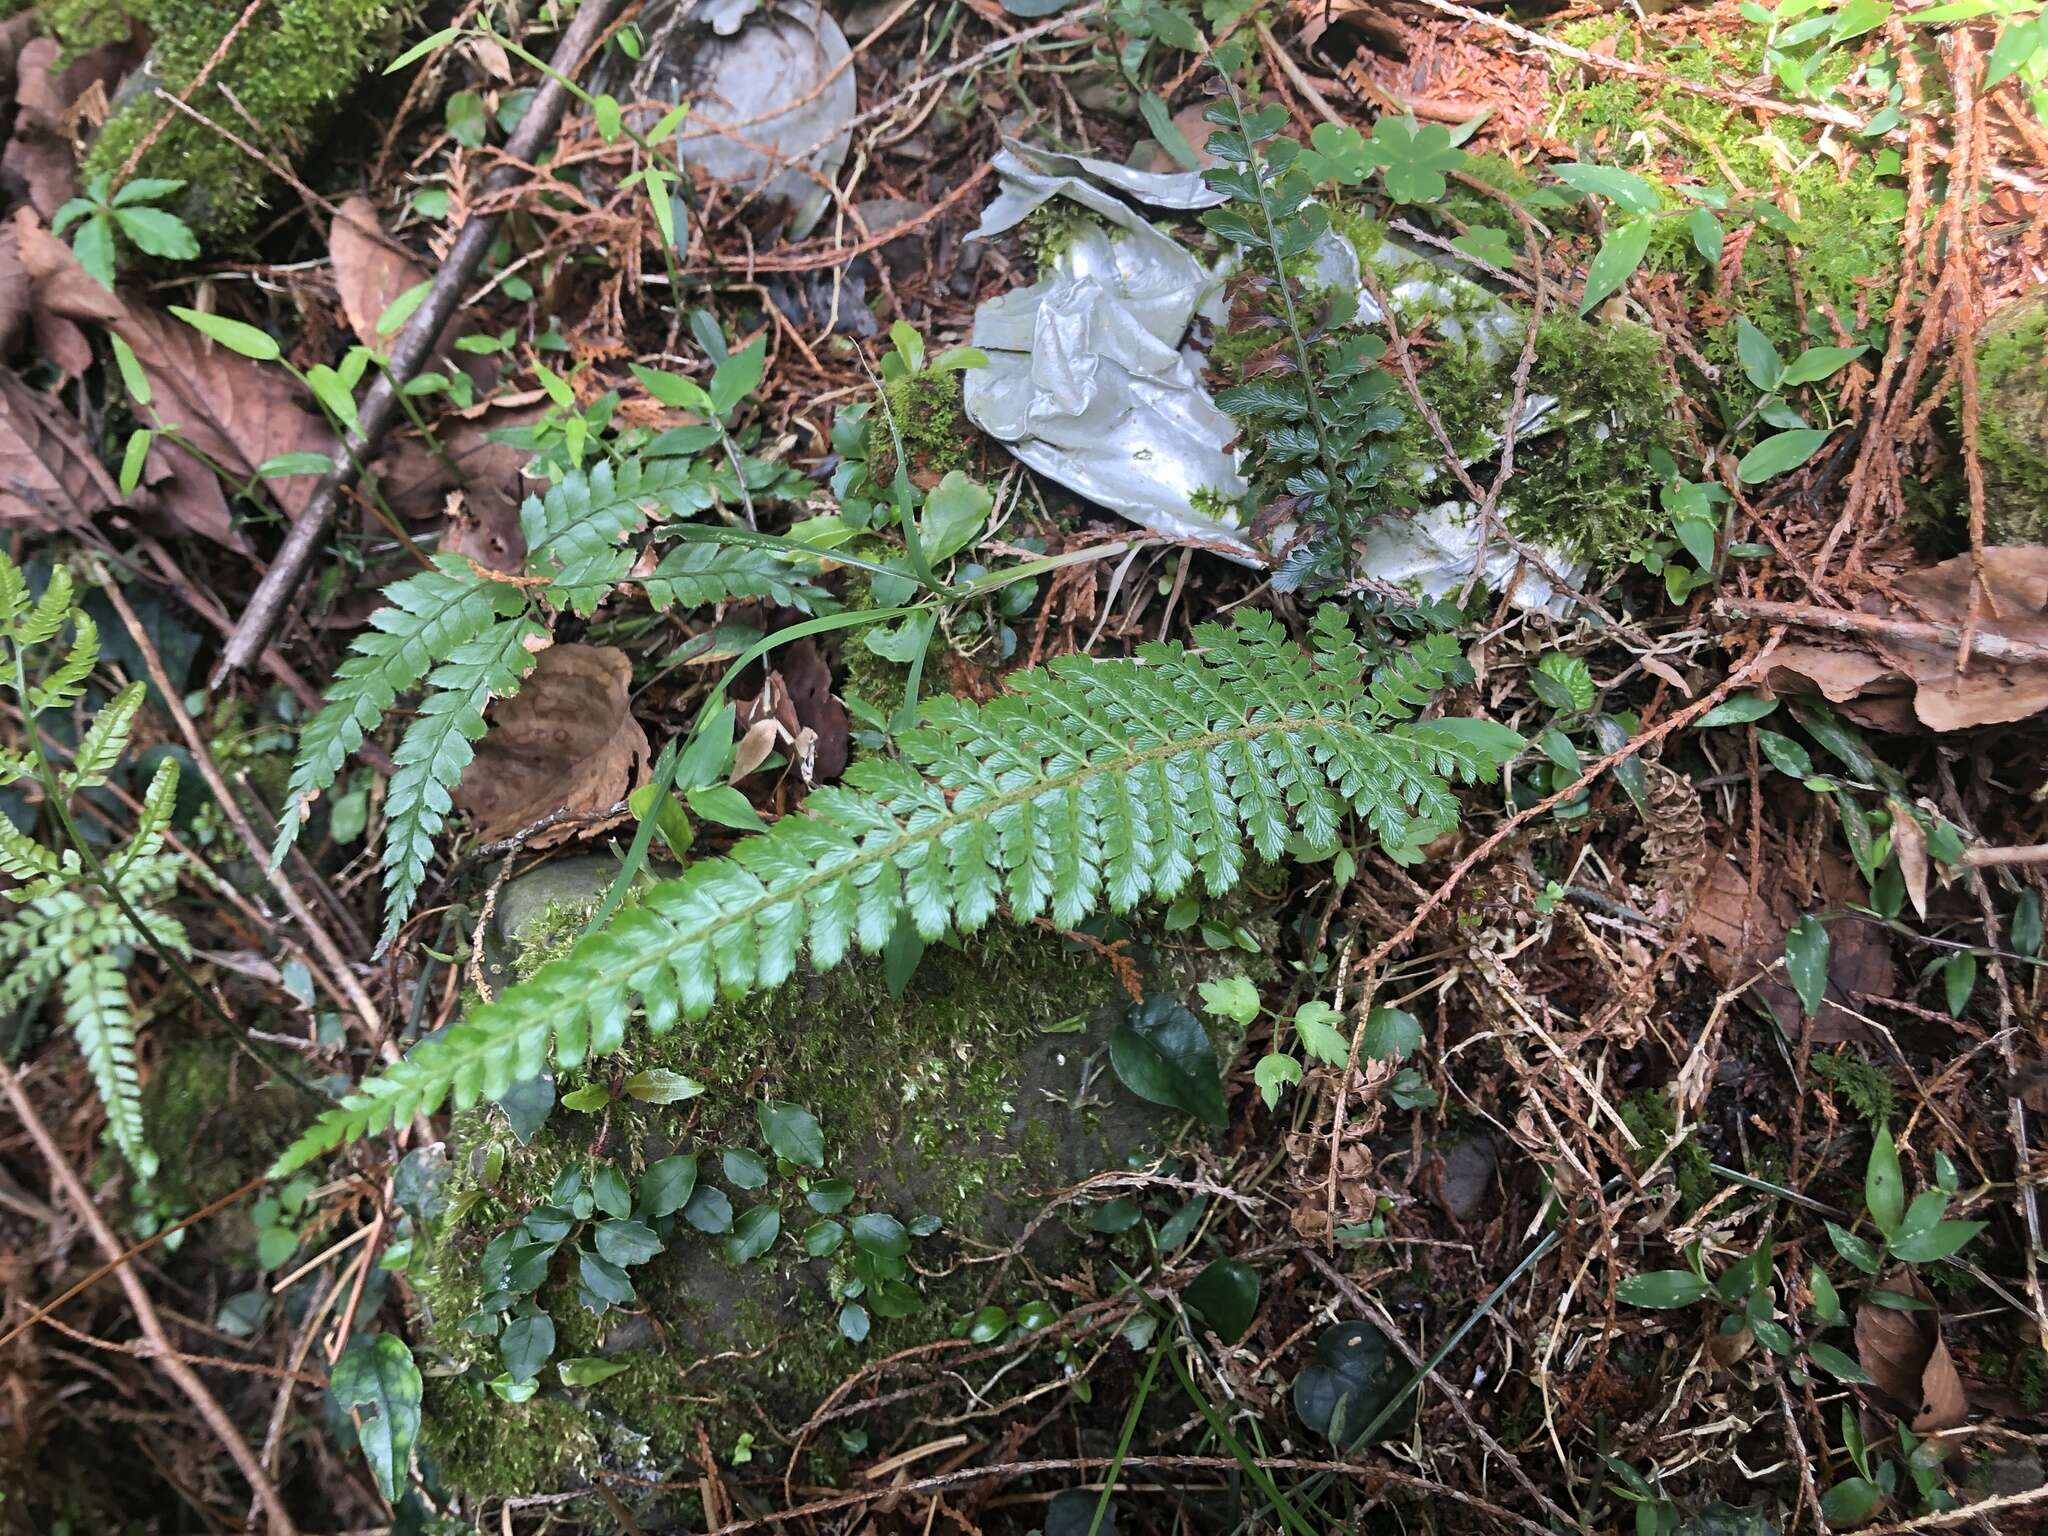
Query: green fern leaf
point(1096, 784)
point(100, 749)
point(97, 1006)
point(697, 575)
point(436, 748)
point(577, 533)
point(64, 687)
point(428, 617)
point(35, 625)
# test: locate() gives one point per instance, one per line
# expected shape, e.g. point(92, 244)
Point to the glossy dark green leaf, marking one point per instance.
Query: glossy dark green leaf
point(882, 1234)
point(743, 1168)
point(1226, 1295)
point(667, 1185)
point(526, 1344)
point(1162, 1054)
point(792, 1133)
point(376, 1373)
point(627, 1243)
point(1806, 962)
point(828, 1197)
point(709, 1210)
point(753, 1234)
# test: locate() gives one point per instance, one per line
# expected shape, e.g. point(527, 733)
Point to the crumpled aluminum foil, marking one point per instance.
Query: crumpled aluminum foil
point(771, 88)
point(1091, 381)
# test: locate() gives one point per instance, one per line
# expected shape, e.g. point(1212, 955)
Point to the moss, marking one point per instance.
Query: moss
point(79, 26)
point(936, 1103)
point(1051, 228)
point(492, 1449)
point(1845, 247)
point(928, 417)
point(1652, 1121)
point(1584, 479)
point(2012, 442)
point(287, 70)
point(216, 1120)
point(1856, 1082)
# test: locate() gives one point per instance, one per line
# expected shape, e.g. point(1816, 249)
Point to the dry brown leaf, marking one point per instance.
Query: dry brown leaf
point(1909, 842)
point(1905, 1355)
point(416, 482)
point(49, 476)
point(237, 412)
point(1905, 680)
point(1745, 934)
point(567, 741)
point(16, 296)
point(371, 269)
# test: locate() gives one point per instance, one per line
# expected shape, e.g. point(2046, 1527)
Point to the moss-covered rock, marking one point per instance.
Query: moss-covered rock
point(965, 1100)
point(289, 68)
point(2012, 442)
point(216, 1119)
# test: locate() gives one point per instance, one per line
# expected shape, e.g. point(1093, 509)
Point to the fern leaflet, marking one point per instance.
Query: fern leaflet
point(436, 748)
point(1096, 784)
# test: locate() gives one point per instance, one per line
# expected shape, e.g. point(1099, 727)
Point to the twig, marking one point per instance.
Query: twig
point(1851, 622)
point(165, 1356)
point(280, 583)
point(2025, 853)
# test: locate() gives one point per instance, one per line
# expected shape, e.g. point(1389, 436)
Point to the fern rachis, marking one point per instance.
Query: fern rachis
point(1096, 784)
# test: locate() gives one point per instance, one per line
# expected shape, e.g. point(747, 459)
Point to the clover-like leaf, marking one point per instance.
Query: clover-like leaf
point(1413, 159)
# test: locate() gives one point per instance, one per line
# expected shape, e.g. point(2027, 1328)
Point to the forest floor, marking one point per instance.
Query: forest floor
point(1622, 1124)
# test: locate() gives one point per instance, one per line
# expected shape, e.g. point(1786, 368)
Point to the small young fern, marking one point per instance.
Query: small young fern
point(1095, 784)
point(464, 636)
point(75, 930)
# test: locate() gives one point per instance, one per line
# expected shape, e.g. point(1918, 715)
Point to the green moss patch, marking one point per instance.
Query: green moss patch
point(2012, 441)
point(967, 1098)
point(287, 70)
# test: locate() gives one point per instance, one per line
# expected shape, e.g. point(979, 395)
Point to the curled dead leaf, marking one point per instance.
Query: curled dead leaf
point(1905, 1356)
point(1894, 668)
point(1909, 842)
point(567, 741)
point(236, 412)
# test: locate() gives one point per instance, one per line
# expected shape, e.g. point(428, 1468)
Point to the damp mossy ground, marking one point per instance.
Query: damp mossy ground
point(967, 1098)
point(1836, 261)
point(930, 420)
point(2012, 441)
point(275, 86)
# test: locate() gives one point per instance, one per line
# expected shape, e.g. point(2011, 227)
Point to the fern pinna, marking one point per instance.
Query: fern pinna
point(78, 929)
point(1096, 783)
point(466, 636)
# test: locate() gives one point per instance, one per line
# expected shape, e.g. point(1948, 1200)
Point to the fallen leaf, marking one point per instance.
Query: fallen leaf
point(1905, 680)
point(567, 741)
point(236, 412)
point(371, 269)
point(1905, 1355)
point(1909, 842)
point(16, 296)
point(1745, 934)
point(490, 474)
point(49, 476)
point(809, 682)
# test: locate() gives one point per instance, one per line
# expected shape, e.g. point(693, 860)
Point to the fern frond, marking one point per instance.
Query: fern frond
point(97, 1006)
point(13, 593)
point(1096, 784)
point(428, 617)
point(576, 534)
point(436, 748)
point(147, 841)
point(63, 687)
point(697, 575)
point(37, 624)
point(100, 748)
point(36, 945)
